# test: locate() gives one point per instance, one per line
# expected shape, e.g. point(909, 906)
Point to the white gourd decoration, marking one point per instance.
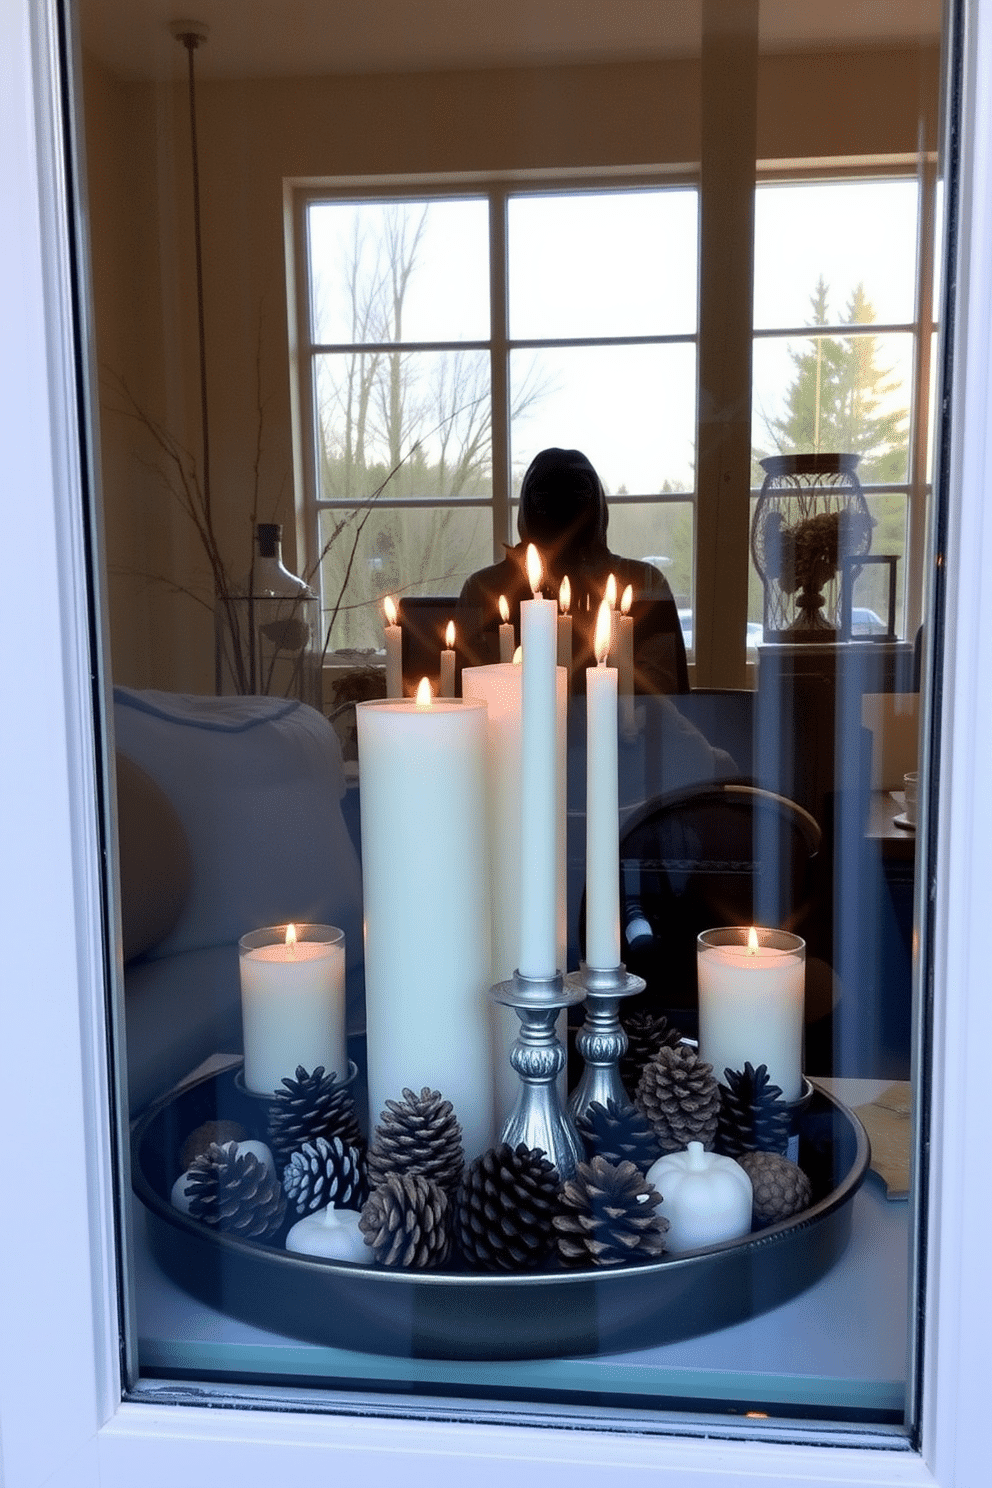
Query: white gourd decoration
point(706, 1198)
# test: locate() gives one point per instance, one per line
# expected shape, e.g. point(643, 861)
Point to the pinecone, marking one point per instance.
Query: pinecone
point(325, 1172)
point(309, 1107)
point(608, 1216)
point(780, 1187)
point(646, 1032)
point(680, 1097)
point(505, 1205)
point(419, 1134)
point(405, 1222)
point(235, 1193)
point(202, 1136)
point(753, 1116)
point(619, 1134)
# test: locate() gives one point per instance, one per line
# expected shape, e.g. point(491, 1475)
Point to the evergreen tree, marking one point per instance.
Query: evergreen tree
point(840, 399)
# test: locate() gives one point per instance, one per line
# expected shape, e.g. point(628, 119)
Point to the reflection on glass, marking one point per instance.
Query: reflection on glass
point(603, 264)
point(631, 409)
point(660, 533)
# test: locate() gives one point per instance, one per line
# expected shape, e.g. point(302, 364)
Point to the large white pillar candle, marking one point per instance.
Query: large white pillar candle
point(425, 872)
point(506, 645)
point(602, 806)
point(751, 998)
point(538, 780)
point(446, 682)
point(394, 650)
point(292, 1003)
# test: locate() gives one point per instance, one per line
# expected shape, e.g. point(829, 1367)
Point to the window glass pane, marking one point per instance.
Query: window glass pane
point(631, 409)
point(416, 424)
point(661, 534)
point(603, 264)
point(850, 394)
point(399, 271)
point(834, 246)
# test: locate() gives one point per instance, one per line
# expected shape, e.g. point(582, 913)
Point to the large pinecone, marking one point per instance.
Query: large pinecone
point(753, 1116)
point(505, 1205)
point(419, 1134)
point(619, 1134)
point(235, 1193)
point(647, 1032)
point(405, 1221)
point(325, 1172)
point(779, 1187)
point(608, 1216)
point(680, 1097)
point(309, 1107)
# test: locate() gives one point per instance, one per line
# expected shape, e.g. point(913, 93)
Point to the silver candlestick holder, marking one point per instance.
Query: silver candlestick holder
point(538, 1118)
point(601, 1040)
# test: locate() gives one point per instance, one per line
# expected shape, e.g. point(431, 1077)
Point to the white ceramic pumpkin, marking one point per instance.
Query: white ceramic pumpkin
point(705, 1197)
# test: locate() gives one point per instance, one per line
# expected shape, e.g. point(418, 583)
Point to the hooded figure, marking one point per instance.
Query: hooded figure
point(563, 512)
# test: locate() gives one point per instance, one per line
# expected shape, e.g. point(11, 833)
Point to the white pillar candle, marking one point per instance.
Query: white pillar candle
point(292, 1003)
point(610, 597)
point(425, 861)
point(565, 627)
point(332, 1233)
point(394, 650)
point(538, 780)
point(751, 995)
point(625, 661)
point(506, 646)
point(602, 806)
point(500, 687)
point(705, 1197)
point(446, 684)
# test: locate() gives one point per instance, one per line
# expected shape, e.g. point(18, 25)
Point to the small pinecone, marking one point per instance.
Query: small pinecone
point(211, 1131)
point(325, 1172)
point(309, 1107)
point(505, 1206)
point(608, 1216)
point(405, 1222)
point(680, 1097)
point(753, 1116)
point(619, 1134)
point(780, 1187)
point(419, 1134)
point(646, 1032)
point(235, 1193)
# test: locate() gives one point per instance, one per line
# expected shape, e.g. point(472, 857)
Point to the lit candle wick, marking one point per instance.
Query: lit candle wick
point(601, 642)
point(423, 698)
point(390, 610)
point(535, 570)
point(752, 942)
point(290, 941)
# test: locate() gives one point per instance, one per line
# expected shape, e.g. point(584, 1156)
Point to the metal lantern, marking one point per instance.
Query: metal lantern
point(810, 518)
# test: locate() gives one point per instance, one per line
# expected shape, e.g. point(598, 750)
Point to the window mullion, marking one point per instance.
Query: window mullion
point(499, 369)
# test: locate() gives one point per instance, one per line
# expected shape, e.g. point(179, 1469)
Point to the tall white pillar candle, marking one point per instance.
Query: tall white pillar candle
point(506, 646)
point(292, 1003)
point(565, 627)
point(538, 780)
point(394, 650)
point(625, 661)
point(425, 872)
point(602, 806)
point(500, 687)
point(751, 999)
point(446, 683)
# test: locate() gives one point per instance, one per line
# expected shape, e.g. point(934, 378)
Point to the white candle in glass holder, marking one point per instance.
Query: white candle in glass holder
point(538, 779)
point(394, 649)
point(751, 1003)
point(506, 646)
point(425, 874)
point(292, 1003)
point(446, 683)
point(602, 806)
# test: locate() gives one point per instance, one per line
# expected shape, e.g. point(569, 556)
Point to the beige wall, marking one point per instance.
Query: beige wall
point(255, 134)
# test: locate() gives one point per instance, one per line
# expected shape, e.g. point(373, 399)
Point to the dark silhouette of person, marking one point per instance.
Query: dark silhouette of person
point(563, 512)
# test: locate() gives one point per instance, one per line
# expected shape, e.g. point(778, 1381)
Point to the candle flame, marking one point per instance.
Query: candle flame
point(604, 625)
point(424, 696)
point(389, 606)
point(535, 570)
point(518, 656)
point(565, 595)
point(627, 600)
point(610, 592)
point(291, 939)
point(752, 941)
point(449, 634)
point(504, 609)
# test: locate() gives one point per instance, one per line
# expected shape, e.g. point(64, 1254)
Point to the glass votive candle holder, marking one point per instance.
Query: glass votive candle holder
point(292, 1003)
point(911, 788)
point(752, 984)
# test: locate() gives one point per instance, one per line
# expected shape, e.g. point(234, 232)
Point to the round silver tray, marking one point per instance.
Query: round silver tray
point(463, 1315)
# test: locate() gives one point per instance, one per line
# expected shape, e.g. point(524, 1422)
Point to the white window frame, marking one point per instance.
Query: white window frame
point(61, 1420)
